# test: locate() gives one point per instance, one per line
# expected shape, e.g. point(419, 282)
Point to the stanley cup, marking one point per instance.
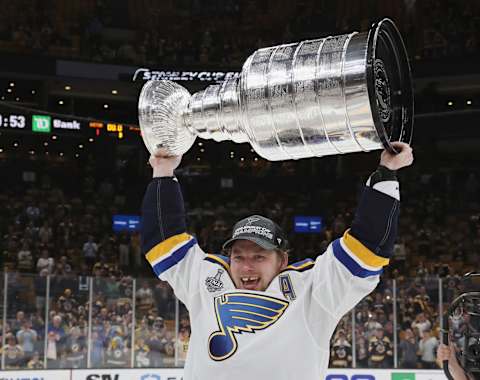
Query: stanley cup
point(334, 95)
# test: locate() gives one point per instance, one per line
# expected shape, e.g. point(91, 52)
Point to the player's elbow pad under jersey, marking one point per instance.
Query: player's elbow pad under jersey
point(163, 212)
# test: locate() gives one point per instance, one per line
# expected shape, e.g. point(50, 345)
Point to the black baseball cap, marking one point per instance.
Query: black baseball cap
point(260, 230)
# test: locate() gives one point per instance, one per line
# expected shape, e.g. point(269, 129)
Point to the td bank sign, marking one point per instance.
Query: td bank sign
point(45, 124)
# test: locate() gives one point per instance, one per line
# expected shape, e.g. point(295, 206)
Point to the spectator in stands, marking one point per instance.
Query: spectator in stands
point(408, 348)
point(144, 298)
point(341, 352)
point(26, 338)
point(421, 324)
point(362, 351)
point(380, 350)
point(90, 250)
point(13, 352)
point(35, 362)
point(427, 350)
point(25, 259)
point(45, 261)
point(55, 343)
point(142, 354)
point(76, 349)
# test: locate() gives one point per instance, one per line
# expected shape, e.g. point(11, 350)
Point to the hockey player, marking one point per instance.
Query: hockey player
point(253, 316)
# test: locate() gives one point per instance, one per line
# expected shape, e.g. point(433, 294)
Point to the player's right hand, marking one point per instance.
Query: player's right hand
point(163, 165)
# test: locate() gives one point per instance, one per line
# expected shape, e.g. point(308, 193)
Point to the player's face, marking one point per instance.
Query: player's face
point(253, 267)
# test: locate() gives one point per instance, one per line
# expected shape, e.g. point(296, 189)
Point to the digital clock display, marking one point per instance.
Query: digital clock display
point(12, 121)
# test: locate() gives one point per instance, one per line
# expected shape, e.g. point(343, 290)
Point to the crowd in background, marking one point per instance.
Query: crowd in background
point(223, 32)
point(66, 235)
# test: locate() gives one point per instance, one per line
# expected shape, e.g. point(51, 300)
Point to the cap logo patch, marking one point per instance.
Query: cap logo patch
point(251, 219)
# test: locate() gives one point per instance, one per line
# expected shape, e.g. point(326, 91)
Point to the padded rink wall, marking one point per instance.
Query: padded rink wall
point(176, 374)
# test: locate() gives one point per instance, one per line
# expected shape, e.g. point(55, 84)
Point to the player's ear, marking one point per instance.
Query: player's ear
point(284, 259)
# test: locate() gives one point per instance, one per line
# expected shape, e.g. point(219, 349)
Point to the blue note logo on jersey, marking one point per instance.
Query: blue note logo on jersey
point(241, 312)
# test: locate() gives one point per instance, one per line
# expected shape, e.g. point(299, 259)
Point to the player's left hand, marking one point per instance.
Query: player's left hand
point(403, 158)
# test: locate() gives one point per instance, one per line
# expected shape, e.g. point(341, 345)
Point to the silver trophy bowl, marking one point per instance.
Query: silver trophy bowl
point(333, 95)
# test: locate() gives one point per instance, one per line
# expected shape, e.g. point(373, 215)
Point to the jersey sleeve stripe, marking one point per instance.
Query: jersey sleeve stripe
point(174, 258)
point(166, 247)
point(363, 253)
point(217, 260)
point(349, 263)
point(169, 252)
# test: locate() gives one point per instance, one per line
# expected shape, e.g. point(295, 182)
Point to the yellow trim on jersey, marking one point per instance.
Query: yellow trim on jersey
point(166, 247)
point(306, 265)
point(362, 252)
point(219, 260)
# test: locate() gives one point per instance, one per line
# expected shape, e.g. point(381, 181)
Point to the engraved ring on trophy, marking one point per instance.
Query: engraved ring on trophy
point(334, 95)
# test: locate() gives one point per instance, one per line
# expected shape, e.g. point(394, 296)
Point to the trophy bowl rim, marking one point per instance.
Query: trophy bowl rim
point(397, 47)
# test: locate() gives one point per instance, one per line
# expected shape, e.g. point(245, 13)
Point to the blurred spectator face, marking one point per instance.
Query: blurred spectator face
point(379, 333)
point(252, 267)
point(57, 320)
point(409, 334)
point(11, 340)
point(169, 349)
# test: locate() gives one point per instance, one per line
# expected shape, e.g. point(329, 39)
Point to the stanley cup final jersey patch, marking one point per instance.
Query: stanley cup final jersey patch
point(240, 312)
point(214, 284)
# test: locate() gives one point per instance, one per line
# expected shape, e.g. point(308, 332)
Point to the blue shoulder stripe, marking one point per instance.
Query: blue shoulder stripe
point(174, 258)
point(352, 266)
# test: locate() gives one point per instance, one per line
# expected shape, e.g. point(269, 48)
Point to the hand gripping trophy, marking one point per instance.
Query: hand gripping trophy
point(333, 95)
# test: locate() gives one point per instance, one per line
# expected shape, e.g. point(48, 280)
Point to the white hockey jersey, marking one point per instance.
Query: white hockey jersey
point(279, 334)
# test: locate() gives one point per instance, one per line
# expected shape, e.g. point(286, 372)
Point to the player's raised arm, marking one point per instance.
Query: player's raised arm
point(350, 268)
point(171, 252)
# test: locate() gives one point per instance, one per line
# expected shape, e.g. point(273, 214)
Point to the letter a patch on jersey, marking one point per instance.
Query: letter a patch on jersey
point(241, 312)
point(287, 287)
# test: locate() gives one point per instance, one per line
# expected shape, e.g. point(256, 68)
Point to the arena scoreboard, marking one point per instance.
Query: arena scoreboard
point(46, 123)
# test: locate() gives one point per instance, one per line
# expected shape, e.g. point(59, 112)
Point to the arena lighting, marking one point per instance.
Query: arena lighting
point(9, 90)
point(60, 154)
point(200, 144)
point(77, 155)
point(469, 102)
point(54, 137)
point(32, 152)
point(450, 103)
point(17, 99)
point(60, 102)
point(90, 139)
point(15, 144)
point(256, 159)
point(45, 143)
point(33, 92)
point(80, 146)
point(47, 153)
point(105, 106)
point(3, 97)
point(12, 84)
point(242, 159)
point(114, 92)
point(251, 150)
point(1, 150)
point(68, 88)
point(202, 150)
point(198, 158)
